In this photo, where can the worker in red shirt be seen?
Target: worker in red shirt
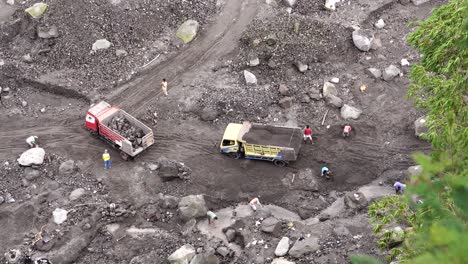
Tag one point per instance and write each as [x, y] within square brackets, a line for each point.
[346, 130]
[308, 134]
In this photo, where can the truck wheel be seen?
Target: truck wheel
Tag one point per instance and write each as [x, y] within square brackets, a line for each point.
[234, 155]
[124, 155]
[280, 163]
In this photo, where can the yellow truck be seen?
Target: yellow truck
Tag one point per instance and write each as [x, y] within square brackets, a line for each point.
[278, 144]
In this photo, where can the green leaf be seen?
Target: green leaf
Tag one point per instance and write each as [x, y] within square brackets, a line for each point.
[364, 259]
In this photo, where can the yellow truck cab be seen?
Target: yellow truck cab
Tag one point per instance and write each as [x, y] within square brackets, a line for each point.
[262, 142]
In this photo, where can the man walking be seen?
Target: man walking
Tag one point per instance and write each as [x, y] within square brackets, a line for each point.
[308, 134]
[164, 87]
[107, 161]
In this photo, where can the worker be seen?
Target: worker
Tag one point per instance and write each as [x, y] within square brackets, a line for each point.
[308, 134]
[399, 187]
[1, 90]
[107, 160]
[346, 130]
[164, 87]
[32, 141]
[325, 172]
[254, 202]
[211, 217]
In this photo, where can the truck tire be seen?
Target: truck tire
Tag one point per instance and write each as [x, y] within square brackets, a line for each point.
[280, 163]
[124, 156]
[234, 155]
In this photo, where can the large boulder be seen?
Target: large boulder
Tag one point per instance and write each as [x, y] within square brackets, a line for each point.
[271, 225]
[192, 206]
[168, 169]
[304, 246]
[282, 261]
[390, 73]
[397, 237]
[420, 127]
[250, 78]
[374, 72]
[290, 3]
[283, 247]
[208, 114]
[363, 39]
[355, 200]
[206, 258]
[419, 2]
[348, 111]
[183, 255]
[67, 167]
[188, 30]
[414, 170]
[329, 89]
[286, 102]
[334, 101]
[33, 156]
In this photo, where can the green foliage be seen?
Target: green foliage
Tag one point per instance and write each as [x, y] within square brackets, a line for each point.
[364, 259]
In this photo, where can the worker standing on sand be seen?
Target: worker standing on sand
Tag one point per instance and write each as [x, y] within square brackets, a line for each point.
[399, 187]
[253, 204]
[308, 134]
[107, 160]
[32, 141]
[211, 217]
[164, 87]
[346, 130]
[325, 172]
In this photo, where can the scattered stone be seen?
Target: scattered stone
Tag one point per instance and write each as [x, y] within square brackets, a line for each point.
[208, 114]
[188, 30]
[60, 215]
[189, 227]
[46, 33]
[271, 225]
[419, 2]
[263, 212]
[33, 156]
[420, 127]
[283, 89]
[36, 10]
[331, 4]
[43, 110]
[254, 62]
[379, 24]
[390, 73]
[373, 72]
[9, 198]
[282, 261]
[168, 201]
[348, 111]
[182, 255]
[397, 237]
[192, 206]
[301, 67]
[67, 167]
[24, 103]
[223, 251]
[230, 235]
[286, 102]
[282, 247]
[27, 58]
[290, 3]
[305, 98]
[101, 44]
[76, 194]
[404, 62]
[376, 44]
[363, 39]
[329, 89]
[304, 246]
[2, 199]
[335, 80]
[121, 53]
[249, 78]
[334, 101]
[10, 2]
[414, 170]
[31, 174]
[355, 200]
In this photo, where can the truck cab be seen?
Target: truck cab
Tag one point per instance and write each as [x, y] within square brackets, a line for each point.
[230, 144]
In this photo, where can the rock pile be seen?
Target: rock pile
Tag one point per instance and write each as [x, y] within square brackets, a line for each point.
[122, 125]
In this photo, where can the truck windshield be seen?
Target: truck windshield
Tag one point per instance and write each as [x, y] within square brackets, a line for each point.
[228, 142]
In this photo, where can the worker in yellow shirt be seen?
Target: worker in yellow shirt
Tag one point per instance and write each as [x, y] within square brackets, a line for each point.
[107, 160]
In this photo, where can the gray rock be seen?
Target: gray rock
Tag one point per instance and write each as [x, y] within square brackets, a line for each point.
[188, 30]
[263, 212]
[254, 62]
[168, 201]
[76, 194]
[348, 111]
[183, 255]
[306, 180]
[121, 53]
[404, 2]
[59, 215]
[330, 4]
[390, 73]
[31, 174]
[341, 230]
[315, 96]
[9, 198]
[379, 24]
[304, 247]
[206, 258]
[27, 58]
[283, 89]
[189, 227]
[168, 169]
[301, 67]
[376, 44]
[208, 114]
[223, 251]
[363, 39]
[24, 103]
[374, 72]
[46, 33]
[397, 237]
[283, 247]
[329, 89]
[290, 3]
[419, 2]
[305, 98]
[414, 170]
[101, 44]
[286, 102]
[420, 127]
[334, 101]
[148, 258]
[67, 167]
[271, 225]
[355, 200]
[230, 235]
[250, 78]
[33, 156]
[2, 199]
[192, 206]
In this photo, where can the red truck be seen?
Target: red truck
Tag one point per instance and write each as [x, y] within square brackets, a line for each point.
[119, 129]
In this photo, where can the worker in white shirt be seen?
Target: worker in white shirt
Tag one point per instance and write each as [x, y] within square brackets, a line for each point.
[32, 141]
[253, 204]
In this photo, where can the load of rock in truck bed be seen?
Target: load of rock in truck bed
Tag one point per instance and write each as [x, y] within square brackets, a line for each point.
[123, 127]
